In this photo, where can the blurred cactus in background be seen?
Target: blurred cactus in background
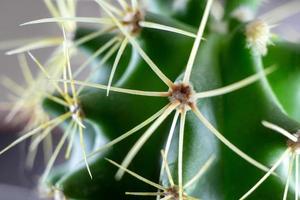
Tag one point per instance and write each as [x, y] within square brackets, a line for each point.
[176, 100]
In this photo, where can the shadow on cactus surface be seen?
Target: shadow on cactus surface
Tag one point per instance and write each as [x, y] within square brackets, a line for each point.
[188, 95]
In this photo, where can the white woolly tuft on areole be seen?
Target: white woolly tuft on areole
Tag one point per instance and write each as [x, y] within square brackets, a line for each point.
[258, 36]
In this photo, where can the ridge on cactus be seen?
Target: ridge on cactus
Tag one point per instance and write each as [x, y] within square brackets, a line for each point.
[202, 74]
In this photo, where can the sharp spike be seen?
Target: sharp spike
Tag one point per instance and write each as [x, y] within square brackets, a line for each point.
[129, 133]
[120, 90]
[237, 85]
[297, 177]
[25, 69]
[138, 145]
[197, 42]
[162, 27]
[137, 176]
[83, 150]
[42, 43]
[107, 56]
[228, 143]
[278, 162]
[91, 36]
[70, 145]
[286, 188]
[116, 63]
[53, 122]
[144, 193]
[165, 165]
[280, 130]
[105, 21]
[180, 154]
[97, 53]
[44, 71]
[133, 42]
[56, 152]
[200, 173]
[169, 140]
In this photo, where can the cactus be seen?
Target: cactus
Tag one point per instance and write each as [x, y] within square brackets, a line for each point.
[187, 97]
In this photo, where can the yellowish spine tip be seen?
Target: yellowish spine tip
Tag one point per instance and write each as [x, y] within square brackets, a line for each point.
[258, 35]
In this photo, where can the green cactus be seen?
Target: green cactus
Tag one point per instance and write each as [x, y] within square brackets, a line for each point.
[186, 95]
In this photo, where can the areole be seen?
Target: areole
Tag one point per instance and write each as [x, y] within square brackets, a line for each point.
[131, 21]
[295, 146]
[183, 93]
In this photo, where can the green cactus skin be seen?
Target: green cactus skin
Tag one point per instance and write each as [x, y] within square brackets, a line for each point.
[222, 59]
[215, 66]
[247, 131]
[101, 113]
[285, 80]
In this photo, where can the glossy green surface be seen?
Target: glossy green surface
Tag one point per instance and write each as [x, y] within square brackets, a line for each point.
[221, 60]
